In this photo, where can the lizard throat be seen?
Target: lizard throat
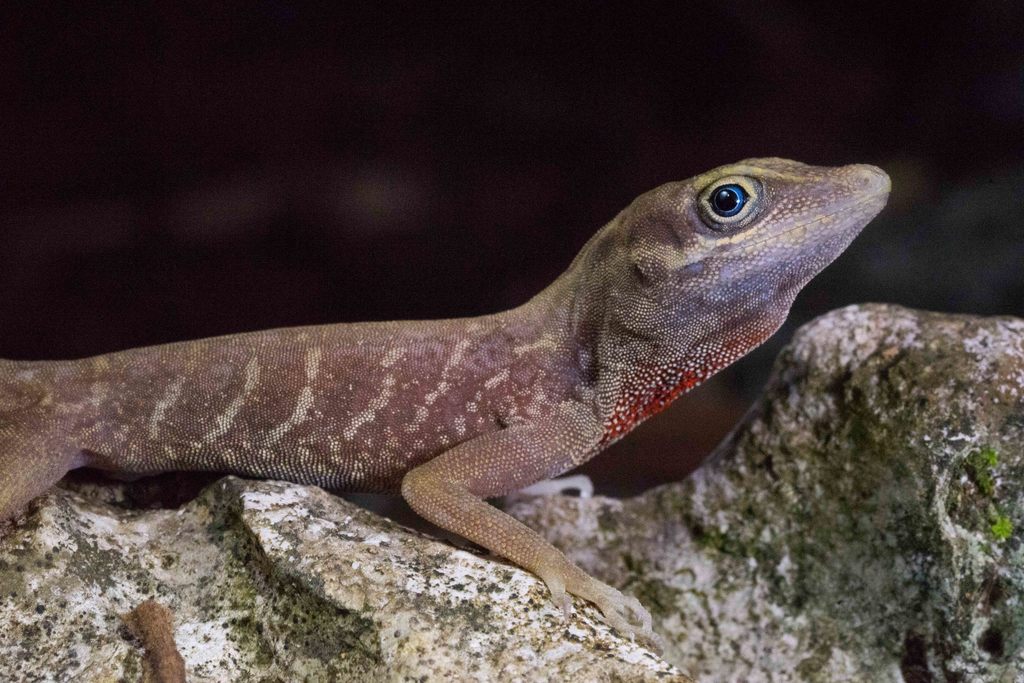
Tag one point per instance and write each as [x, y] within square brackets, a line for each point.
[651, 388]
[647, 393]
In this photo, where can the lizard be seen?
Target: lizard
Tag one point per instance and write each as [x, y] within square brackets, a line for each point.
[449, 413]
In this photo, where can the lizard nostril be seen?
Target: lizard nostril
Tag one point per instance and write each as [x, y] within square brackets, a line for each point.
[869, 179]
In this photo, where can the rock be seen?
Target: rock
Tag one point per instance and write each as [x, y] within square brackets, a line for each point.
[862, 523]
[274, 581]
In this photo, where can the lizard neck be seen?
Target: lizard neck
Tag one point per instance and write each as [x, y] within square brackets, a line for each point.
[625, 374]
[633, 360]
[628, 359]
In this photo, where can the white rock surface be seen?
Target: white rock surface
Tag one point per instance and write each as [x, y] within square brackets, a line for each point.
[274, 581]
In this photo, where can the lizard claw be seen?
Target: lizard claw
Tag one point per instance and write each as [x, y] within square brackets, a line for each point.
[625, 614]
[560, 597]
[622, 612]
[566, 606]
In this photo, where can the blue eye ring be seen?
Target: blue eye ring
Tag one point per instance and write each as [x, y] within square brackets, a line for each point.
[728, 200]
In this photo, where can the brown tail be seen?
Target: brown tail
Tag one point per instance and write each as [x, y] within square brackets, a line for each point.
[32, 455]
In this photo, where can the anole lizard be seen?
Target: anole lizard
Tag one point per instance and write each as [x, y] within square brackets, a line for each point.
[685, 280]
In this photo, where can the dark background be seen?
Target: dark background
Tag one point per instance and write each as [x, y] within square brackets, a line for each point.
[178, 171]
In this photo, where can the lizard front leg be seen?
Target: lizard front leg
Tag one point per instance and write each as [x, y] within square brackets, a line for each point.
[450, 490]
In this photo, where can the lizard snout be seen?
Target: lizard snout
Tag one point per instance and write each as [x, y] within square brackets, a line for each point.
[868, 179]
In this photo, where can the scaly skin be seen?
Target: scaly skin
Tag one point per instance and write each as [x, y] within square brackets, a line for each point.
[451, 412]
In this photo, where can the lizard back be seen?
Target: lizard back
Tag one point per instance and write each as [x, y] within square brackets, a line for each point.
[348, 407]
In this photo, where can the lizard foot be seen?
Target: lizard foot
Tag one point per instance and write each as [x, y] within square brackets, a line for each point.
[622, 612]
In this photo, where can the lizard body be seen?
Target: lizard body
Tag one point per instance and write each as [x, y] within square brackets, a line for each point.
[684, 281]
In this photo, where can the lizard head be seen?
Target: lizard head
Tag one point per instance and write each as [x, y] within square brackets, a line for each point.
[720, 257]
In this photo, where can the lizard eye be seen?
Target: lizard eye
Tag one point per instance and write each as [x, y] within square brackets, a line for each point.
[727, 200]
[730, 202]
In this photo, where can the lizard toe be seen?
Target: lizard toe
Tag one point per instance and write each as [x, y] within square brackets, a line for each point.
[622, 612]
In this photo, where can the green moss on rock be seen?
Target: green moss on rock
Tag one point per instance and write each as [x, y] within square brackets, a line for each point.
[1001, 527]
[980, 465]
